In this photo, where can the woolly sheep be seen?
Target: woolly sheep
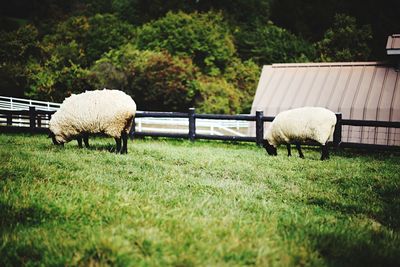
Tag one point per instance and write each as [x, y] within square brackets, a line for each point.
[101, 111]
[299, 125]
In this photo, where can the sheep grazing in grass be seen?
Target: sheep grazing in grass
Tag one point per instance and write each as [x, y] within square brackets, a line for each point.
[101, 111]
[300, 125]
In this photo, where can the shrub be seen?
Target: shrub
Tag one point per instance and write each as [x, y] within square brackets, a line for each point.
[159, 81]
[106, 75]
[52, 81]
[156, 80]
[115, 68]
[244, 77]
[216, 95]
[165, 83]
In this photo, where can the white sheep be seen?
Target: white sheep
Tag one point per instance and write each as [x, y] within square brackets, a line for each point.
[299, 125]
[101, 111]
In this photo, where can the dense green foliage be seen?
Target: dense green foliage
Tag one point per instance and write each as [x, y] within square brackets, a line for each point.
[177, 203]
[176, 82]
[51, 49]
[156, 80]
[65, 55]
[203, 37]
[218, 96]
[312, 18]
[17, 48]
[272, 44]
[345, 41]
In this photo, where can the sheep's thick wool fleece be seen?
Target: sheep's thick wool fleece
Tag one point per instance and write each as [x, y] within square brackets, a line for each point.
[301, 124]
[100, 111]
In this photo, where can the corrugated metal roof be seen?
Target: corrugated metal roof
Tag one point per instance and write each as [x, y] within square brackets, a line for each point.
[359, 90]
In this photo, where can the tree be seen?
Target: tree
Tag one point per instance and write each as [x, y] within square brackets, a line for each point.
[53, 80]
[17, 48]
[268, 43]
[345, 41]
[203, 37]
[67, 54]
[139, 12]
[88, 38]
[105, 32]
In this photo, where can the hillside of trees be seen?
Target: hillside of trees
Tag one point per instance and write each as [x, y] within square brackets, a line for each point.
[171, 55]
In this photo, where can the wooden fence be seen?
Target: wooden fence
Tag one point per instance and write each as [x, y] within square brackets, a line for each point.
[33, 121]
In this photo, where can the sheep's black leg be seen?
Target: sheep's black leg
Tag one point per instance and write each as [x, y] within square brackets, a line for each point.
[324, 152]
[301, 155]
[289, 151]
[53, 138]
[118, 141]
[79, 139]
[86, 140]
[124, 137]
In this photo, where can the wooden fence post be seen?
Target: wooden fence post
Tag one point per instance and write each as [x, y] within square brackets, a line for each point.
[9, 119]
[337, 134]
[39, 121]
[259, 127]
[192, 124]
[133, 128]
[32, 118]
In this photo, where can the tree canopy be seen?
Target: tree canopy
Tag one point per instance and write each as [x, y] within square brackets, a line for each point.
[174, 54]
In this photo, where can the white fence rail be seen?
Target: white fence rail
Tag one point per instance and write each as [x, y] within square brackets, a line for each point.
[169, 125]
[13, 103]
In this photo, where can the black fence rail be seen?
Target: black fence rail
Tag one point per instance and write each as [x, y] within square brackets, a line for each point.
[192, 117]
[33, 121]
[29, 121]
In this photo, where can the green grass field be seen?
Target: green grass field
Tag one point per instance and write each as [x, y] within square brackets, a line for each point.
[176, 203]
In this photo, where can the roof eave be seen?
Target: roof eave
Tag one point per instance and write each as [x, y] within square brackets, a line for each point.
[393, 52]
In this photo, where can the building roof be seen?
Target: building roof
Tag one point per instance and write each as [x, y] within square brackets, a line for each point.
[359, 90]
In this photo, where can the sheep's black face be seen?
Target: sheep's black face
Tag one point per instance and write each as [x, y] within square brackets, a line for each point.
[53, 138]
[271, 150]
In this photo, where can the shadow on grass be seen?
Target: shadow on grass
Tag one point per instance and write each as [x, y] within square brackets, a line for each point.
[27, 216]
[14, 254]
[388, 216]
[93, 147]
[378, 154]
[388, 199]
[103, 254]
[101, 147]
[367, 249]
